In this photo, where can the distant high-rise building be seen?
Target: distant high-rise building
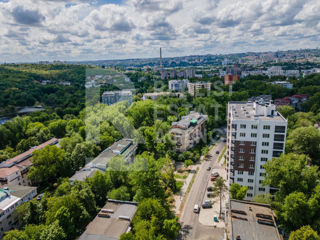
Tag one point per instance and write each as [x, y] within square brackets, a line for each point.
[194, 88]
[232, 75]
[161, 66]
[256, 134]
[190, 72]
[178, 85]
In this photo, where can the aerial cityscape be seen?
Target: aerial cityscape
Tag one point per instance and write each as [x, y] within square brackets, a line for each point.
[159, 120]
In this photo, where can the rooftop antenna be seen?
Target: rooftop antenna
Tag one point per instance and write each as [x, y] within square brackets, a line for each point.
[161, 67]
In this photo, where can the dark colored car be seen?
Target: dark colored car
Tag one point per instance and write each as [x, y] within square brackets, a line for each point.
[209, 189]
[224, 140]
[217, 152]
[209, 168]
[207, 205]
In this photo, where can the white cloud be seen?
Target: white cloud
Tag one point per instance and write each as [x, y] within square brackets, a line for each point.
[32, 30]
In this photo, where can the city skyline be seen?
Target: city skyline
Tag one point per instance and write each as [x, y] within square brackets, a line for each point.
[79, 30]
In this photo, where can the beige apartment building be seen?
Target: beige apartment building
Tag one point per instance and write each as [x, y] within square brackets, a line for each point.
[194, 88]
[189, 131]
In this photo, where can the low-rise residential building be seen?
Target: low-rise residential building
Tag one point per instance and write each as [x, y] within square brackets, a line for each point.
[256, 134]
[194, 88]
[231, 79]
[124, 147]
[275, 71]
[248, 220]
[112, 221]
[284, 84]
[294, 101]
[156, 95]
[11, 196]
[112, 97]
[178, 85]
[189, 131]
[14, 171]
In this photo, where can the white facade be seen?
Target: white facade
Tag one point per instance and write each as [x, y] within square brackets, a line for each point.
[284, 84]
[178, 85]
[256, 134]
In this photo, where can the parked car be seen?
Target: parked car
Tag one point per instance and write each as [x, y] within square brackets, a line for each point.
[224, 140]
[209, 189]
[215, 174]
[39, 196]
[213, 179]
[209, 168]
[207, 204]
[217, 152]
[215, 219]
[196, 208]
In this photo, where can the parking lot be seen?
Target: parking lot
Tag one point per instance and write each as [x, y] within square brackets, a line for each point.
[206, 215]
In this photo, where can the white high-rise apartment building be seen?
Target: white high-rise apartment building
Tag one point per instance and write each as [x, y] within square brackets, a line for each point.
[178, 85]
[256, 134]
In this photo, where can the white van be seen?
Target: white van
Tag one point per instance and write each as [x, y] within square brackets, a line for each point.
[196, 208]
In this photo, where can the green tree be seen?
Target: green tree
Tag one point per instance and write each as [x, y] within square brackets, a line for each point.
[304, 233]
[295, 211]
[263, 198]
[187, 163]
[53, 232]
[238, 192]
[73, 126]
[100, 184]
[120, 193]
[16, 235]
[220, 188]
[305, 140]
[291, 173]
[58, 128]
[47, 165]
[171, 228]
[65, 222]
[286, 111]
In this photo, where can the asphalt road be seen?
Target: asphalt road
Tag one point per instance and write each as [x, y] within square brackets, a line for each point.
[190, 226]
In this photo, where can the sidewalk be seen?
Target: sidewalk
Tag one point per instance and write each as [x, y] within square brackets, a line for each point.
[178, 198]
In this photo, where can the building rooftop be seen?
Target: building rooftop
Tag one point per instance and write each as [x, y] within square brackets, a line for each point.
[258, 110]
[121, 92]
[189, 121]
[23, 160]
[252, 221]
[113, 220]
[122, 147]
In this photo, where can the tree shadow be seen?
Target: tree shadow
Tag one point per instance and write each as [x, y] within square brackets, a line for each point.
[184, 232]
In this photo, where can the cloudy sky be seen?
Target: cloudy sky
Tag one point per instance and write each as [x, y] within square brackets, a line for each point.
[33, 30]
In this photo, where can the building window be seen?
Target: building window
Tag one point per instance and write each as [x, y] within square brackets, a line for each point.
[264, 151]
[263, 159]
[261, 167]
[241, 143]
[249, 195]
[252, 158]
[250, 180]
[265, 135]
[276, 154]
[252, 150]
[240, 165]
[262, 189]
[250, 188]
[254, 135]
[253, 143]
[278, 146]
[242, 134]
[251, 165]
[240, 179]
[241, 150]
[266, 127]
[265, 144]
[254, 126]
[243, 126]
[279, 137]
[241, 158]
[240, 172]
[234, 126]
[260, 181]
[262, 174]
[280, 129]
[251, 173]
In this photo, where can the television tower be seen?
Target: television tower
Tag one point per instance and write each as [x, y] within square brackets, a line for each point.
[161, 67]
